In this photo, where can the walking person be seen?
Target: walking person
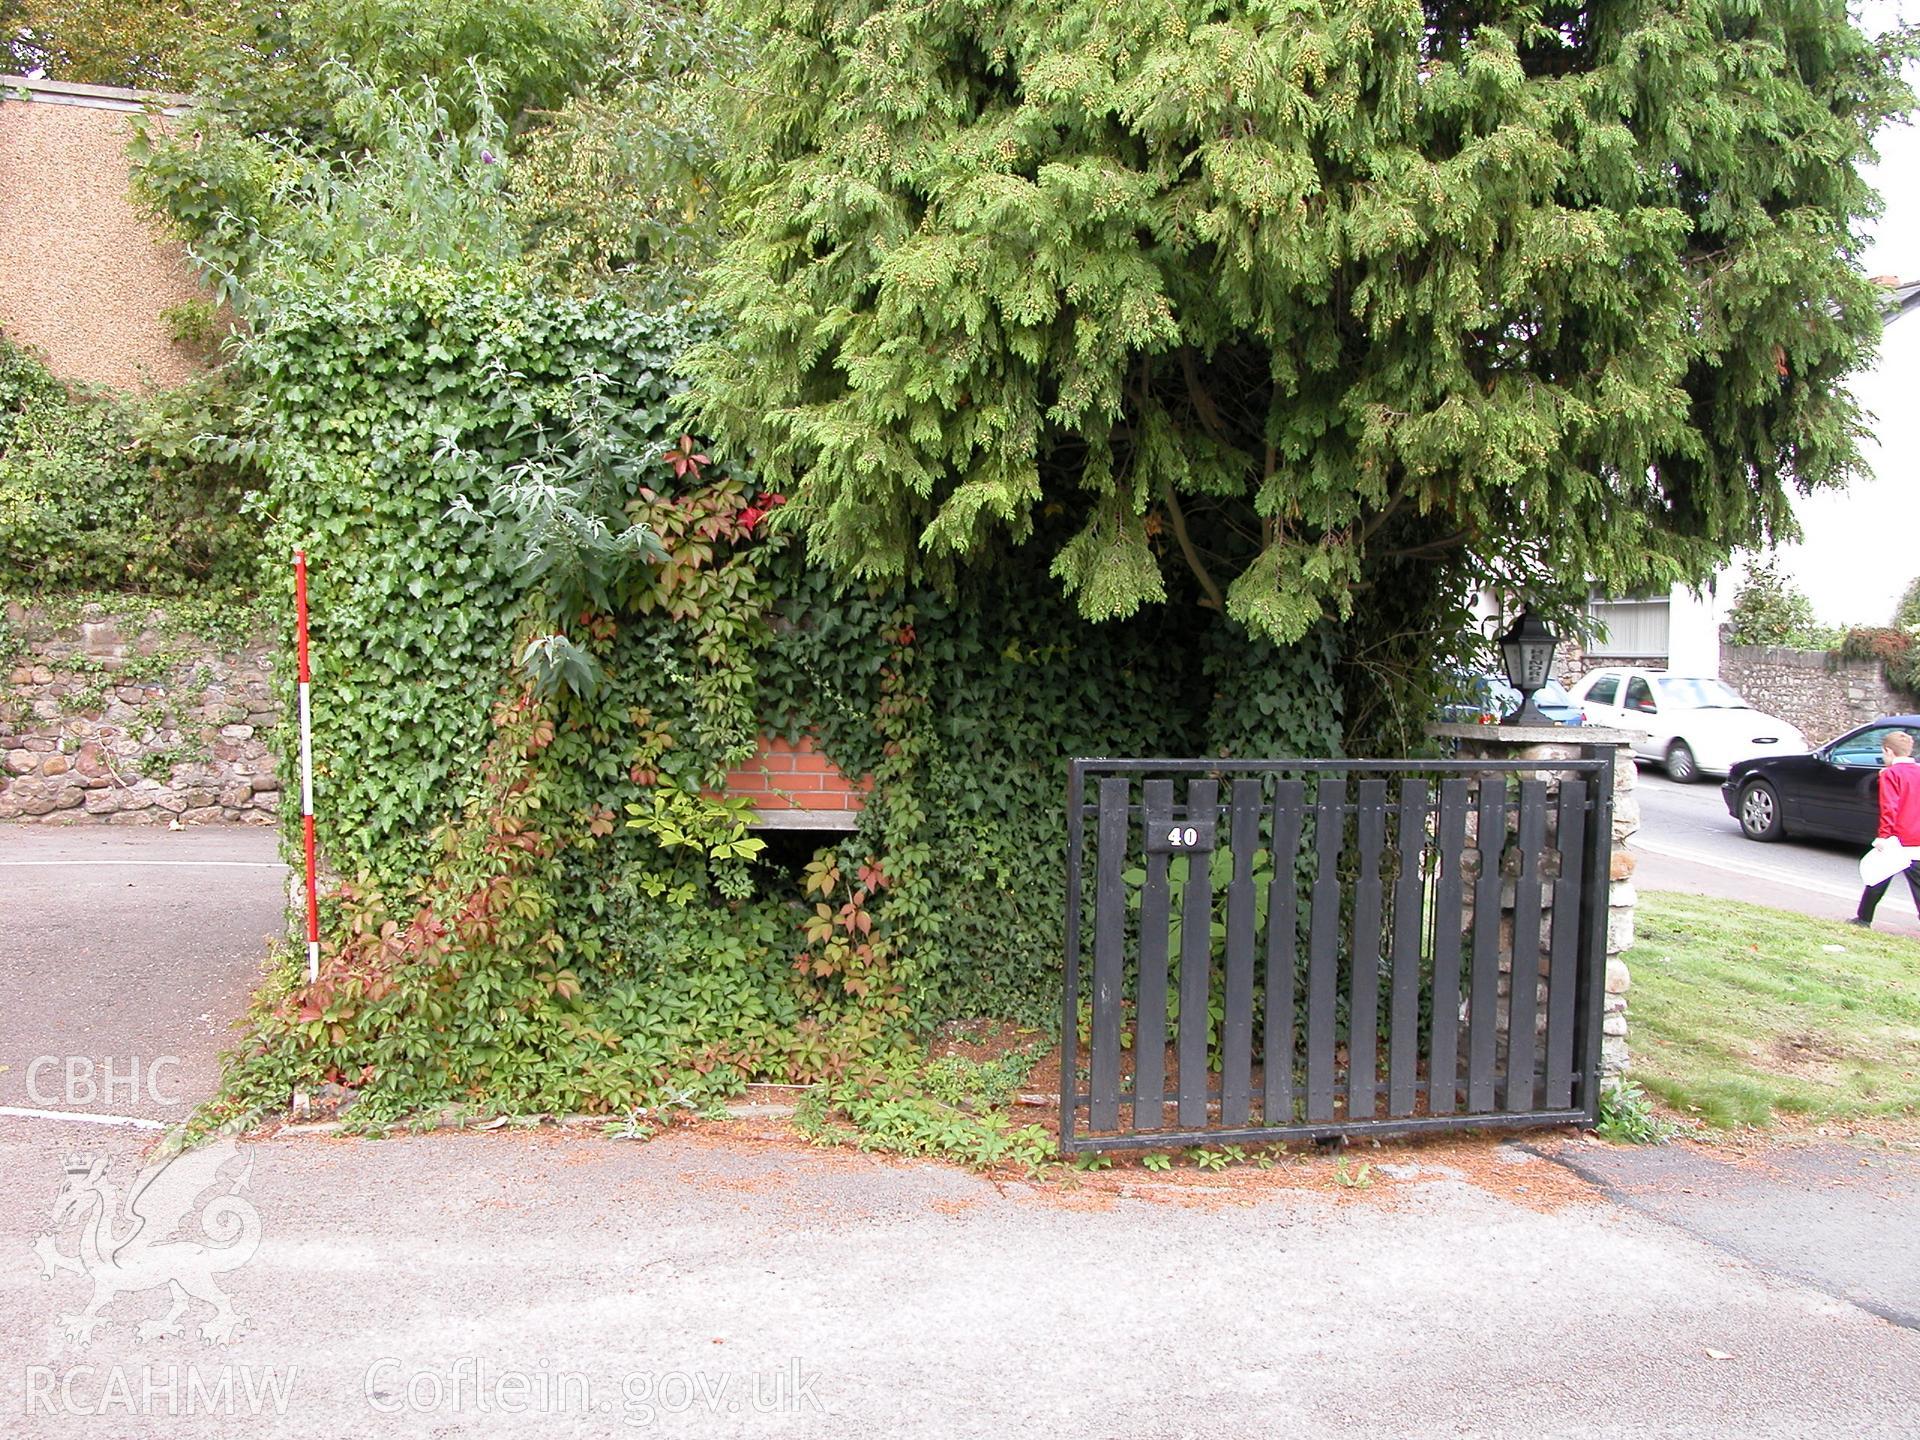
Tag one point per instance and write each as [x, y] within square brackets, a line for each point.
[1899, 818]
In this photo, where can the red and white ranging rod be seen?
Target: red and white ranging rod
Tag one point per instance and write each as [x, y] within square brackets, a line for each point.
[306, 764]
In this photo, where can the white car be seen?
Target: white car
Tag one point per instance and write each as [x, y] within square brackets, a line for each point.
[1691, 725]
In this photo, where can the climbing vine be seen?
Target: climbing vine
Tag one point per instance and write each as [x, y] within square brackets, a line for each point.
[546, 625]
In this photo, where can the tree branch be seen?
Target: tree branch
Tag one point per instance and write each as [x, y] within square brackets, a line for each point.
[1203, 405]
[1178, 517]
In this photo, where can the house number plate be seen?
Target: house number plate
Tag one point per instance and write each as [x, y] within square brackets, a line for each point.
[1178, 837]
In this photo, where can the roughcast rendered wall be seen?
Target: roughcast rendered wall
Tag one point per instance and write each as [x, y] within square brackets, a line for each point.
[83, 274]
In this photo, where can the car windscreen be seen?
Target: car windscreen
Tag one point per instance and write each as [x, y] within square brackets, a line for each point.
[1684, 694]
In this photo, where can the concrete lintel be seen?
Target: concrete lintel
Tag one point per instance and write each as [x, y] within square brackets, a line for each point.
[806, 820]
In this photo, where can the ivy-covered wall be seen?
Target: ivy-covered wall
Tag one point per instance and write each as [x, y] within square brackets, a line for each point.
[545, 626]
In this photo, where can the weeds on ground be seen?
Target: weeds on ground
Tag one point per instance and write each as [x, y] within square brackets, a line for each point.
[1627, 1117]
[949, 1108]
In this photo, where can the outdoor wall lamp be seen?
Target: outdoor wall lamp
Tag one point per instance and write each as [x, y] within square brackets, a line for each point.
[1526, 650]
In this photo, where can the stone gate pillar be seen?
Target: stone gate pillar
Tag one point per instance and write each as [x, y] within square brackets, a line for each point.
[1548, 743]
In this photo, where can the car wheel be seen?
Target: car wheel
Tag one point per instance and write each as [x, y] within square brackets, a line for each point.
[1760, 812]
[1680, 763]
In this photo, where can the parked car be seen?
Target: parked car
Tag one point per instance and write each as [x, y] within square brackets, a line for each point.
[1489, 699]
[1832, 793]
[1694, 726]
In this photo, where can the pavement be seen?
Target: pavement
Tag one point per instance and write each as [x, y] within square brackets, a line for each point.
[1689, 843]
[734, 1282]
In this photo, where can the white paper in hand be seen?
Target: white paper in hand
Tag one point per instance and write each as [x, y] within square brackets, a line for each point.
[1882, 862]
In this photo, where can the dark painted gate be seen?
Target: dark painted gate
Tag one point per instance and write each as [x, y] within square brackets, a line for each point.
[1283, 949]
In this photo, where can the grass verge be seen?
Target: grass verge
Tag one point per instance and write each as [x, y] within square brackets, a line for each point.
[1742, 1014]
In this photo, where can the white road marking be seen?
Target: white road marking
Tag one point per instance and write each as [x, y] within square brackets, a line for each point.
[187, 864]
[134, 1121]
[1757, 872]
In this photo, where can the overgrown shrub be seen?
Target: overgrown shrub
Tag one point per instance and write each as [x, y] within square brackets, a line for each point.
[1769, 609]
[1906, 615]
[102, 493]
[545, 626]
[1893, 648]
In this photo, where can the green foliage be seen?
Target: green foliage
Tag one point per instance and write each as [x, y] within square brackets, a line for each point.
[1347, 1179]
[268, 213]
[617, 186]
[96, 494]
[951, 1108]
[149, 44]
[1284, 308]
[1894, 648]
[1627, 1117]
[1906, 615]
[343, 132]
[1769, 609]
[389, 405]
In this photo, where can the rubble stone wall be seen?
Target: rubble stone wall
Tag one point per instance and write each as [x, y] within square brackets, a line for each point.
[119, 717]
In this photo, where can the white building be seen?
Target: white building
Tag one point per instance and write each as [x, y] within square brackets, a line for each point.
[1859, 548]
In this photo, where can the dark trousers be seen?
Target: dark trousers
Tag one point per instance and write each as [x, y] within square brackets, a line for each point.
[1870, 897]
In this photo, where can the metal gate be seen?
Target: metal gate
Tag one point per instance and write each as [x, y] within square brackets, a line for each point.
[1360, 975]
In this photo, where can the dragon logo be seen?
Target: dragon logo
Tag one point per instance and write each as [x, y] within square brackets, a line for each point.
[131, 1249]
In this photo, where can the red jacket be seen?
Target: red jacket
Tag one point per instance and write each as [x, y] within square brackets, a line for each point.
[1900, 801]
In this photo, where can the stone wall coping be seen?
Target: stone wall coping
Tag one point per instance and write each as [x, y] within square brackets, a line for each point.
[1533, 734]
[94, 97]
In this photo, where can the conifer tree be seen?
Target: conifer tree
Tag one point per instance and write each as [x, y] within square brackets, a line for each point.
[1284, 303]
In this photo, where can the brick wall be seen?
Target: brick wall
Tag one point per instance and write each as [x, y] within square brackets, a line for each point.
[791, 783]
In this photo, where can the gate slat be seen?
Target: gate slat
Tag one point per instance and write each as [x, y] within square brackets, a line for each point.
[1563, 972]
[1236, 1024]
[1323, 939]
[1150, 1027]
[1109, 953]
[1524, 983]
[1363, 993]
[1196, 963]
[1483, 996]
[1283, 943]
[1403, 1003]
[1443, 1057]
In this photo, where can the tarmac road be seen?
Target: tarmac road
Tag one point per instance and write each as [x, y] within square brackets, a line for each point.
[1687, 842]
[743, 1284]
[125, 957]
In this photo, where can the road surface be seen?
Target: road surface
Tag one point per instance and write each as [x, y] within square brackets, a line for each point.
[1689, 843]
[736, 1283]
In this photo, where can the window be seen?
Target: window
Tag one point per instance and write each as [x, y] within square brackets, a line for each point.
[1864, 748]
[1602, 691]
[1636, 625]
[1640, 695]
[1685, 694]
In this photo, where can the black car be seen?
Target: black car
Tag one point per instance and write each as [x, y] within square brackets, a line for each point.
[1832, 793]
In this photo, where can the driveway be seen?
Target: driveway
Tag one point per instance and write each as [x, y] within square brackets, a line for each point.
[733, 1281]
